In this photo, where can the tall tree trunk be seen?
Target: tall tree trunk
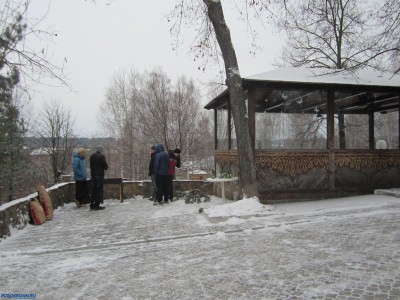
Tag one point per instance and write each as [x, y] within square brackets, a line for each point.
[247, 169]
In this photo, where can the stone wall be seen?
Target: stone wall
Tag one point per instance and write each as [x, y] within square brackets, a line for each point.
[15, 214]
[179, 186]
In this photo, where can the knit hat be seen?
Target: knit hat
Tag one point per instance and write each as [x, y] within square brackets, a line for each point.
[177, 150]
[81, 150]
[99, 149]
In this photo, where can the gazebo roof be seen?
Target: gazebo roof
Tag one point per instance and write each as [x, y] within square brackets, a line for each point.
[355, 91]
[327, 76]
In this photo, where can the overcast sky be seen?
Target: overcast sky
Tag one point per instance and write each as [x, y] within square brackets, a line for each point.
[98, 40]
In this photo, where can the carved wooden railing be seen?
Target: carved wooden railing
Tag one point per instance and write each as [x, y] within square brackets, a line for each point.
[296, 162]
[367, 161]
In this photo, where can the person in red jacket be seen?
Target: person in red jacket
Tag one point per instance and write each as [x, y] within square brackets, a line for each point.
[174, 162]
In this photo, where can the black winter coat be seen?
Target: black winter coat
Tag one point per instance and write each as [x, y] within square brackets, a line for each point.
[151, 164]
[98, 164]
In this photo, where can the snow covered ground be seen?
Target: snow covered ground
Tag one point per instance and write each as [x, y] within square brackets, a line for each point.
[346, 248]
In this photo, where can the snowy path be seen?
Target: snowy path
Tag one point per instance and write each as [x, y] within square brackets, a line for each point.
[134, 250]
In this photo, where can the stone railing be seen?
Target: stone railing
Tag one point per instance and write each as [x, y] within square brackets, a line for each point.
[14, 215]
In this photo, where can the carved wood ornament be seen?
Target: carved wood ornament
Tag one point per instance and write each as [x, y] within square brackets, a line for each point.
[295, 163]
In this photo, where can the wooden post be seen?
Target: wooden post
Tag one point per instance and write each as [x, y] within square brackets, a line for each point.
[229, 120]
[371, 130]
[331, 138]
[342, 131]
[121, 192]
[215, 129]
[251, 114]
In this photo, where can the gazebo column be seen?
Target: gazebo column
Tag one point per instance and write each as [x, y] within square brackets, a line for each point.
[398, 111]
[371, 130]
[215, 129]
[251, 114]
[229, 125]
[342, 131]
[331, 138]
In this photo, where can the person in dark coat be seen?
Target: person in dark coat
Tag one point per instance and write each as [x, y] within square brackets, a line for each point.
[80, 176]
[152, 176]
[177, 154]
[174, 162]
[160, 170]
[98, 165]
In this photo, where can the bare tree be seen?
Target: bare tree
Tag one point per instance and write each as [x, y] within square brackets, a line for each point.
[155, 107]
[55, 131]
[144, 109]
[171, 114]
[389, 17]
[136, 112]
[201, 149]
[333, 34]
[186, 114]
[340, 34]
[213, 29]
[118, 116]
[32, 63]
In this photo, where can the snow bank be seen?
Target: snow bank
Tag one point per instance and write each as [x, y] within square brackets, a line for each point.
[245, 208]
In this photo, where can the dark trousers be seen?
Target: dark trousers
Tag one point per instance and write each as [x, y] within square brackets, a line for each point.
[154, 183]
[81, 189]
[162, 188]
[97, 190]
[170, 187]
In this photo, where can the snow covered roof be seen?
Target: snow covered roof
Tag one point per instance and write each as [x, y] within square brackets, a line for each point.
[40, 151]
[323, 76]
[305, 90]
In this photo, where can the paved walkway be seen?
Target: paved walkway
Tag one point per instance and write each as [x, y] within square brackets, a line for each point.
[134, 250]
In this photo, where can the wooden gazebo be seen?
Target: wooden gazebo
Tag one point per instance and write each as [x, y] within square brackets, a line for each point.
[330, 141]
